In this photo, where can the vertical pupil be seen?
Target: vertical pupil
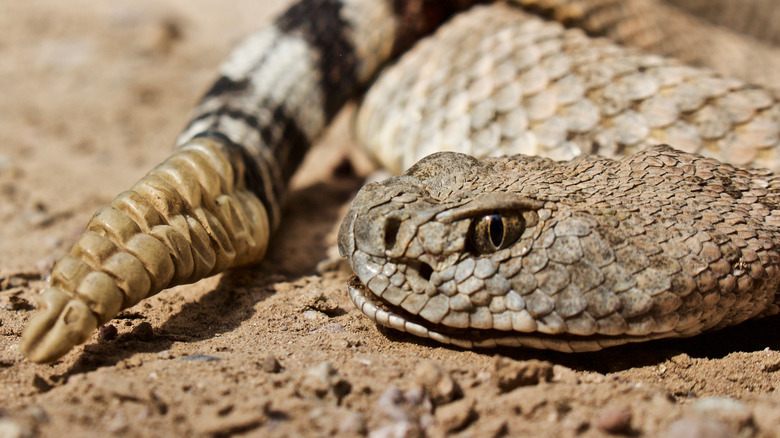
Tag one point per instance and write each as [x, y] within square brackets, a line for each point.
[496, 227]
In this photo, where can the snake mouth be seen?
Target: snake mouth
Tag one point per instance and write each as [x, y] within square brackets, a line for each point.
[395, 317]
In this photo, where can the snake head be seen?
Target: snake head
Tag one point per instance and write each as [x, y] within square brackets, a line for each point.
[59, 324]
[571, 256]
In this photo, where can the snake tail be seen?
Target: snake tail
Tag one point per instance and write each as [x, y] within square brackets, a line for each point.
[188, 218]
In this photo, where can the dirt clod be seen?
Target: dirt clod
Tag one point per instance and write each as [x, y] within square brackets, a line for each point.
[144, 332]
[698, 428]
[456, 415]
[107, 332]
[511, 374]
[270, 364]
[437, 382]
[324, 381]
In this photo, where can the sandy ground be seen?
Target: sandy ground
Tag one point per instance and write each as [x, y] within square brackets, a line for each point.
[92, 95]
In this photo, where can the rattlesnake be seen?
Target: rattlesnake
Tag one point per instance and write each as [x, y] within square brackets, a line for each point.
[214, 203]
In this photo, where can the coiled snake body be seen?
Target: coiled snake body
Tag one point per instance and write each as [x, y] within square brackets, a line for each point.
[507, 251]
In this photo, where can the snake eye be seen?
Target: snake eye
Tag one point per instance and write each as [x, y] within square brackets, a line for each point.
[495, 231]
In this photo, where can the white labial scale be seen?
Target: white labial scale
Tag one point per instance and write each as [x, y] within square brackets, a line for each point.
[365, 268]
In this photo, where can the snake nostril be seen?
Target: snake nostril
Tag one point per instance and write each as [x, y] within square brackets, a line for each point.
[391, 232]
[425, 271]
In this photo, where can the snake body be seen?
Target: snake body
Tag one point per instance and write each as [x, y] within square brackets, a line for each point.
[215, 201]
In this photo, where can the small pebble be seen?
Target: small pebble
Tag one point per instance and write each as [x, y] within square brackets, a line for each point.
[333, 327]
[269, 364]
[107, 333]
[697, 428]
[10, 429]
[39, 414]
[313, 315]
[438, 383]
[394, 430]
[41, 384]
[389, 406]
[394, 416]
[324, 381]
[614, 420]
[456, 415]
[160, 37]
[352, 424]
[734, 414]
[144, 332]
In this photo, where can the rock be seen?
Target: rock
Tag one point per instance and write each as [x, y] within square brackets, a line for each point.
[107, 332]
[397, 430]
[732, 413]
[323, 381]
[269, 364]
[144, 332]
[614, 420]
[41, 384]
[694, 427]
[352, 424]
[510, 374]
[389, 406]
[397, 416]
[456, 415]
[10, 429]
[437, 382]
